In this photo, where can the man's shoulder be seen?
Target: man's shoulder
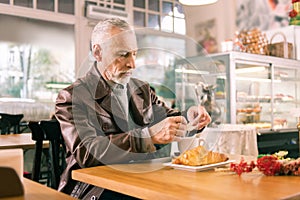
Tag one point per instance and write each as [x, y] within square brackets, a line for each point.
[77, 87]
[139, 82]
[76, 84]
[85, 81]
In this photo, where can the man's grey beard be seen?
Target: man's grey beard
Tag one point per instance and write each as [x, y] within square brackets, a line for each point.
[122, 81]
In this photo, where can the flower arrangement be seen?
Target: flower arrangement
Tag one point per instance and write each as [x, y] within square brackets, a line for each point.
[270, 165]
[294, 14]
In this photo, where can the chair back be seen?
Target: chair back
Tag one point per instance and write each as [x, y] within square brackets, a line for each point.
[52, 133]
[38, 136]
[10, 123]
[48, 130]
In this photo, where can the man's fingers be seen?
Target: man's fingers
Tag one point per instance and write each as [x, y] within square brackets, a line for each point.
[179, 119]
[180, 133]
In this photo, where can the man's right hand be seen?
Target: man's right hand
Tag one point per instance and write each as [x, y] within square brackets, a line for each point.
[165, 131]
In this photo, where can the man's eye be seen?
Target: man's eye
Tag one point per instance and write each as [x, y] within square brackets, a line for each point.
[124, 54]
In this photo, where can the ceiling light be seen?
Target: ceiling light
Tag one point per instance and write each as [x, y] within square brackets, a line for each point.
[197, 2]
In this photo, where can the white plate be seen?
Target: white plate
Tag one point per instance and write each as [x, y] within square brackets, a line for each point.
[198, 168]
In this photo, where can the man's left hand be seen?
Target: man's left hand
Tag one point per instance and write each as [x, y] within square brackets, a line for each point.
[198, 117]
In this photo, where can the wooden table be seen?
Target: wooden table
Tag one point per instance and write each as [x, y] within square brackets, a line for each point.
[153, 181]
[22, 140]
[37, 191]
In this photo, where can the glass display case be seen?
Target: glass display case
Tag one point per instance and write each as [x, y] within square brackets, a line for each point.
[263, 91]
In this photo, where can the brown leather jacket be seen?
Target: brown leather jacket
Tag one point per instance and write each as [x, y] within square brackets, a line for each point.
[95, 129]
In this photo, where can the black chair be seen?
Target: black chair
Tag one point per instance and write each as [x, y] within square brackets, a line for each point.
[52, 131]
[38, 136]
[4, 125]
[48, 130]
[10, 123]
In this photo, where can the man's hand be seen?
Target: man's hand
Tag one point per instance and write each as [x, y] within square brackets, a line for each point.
[197, 117]
[165, 131]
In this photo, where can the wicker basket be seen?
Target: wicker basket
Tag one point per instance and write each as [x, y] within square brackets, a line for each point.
[280, 49]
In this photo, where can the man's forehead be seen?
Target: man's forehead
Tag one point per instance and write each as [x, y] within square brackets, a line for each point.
[122, 40]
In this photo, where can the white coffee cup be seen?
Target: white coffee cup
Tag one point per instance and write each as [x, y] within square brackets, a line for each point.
[187, 143]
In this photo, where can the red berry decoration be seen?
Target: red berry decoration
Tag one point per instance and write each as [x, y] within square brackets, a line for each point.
[269, 165]
[242, 167]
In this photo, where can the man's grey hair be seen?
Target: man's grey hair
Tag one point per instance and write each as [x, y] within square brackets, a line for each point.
[102, 29]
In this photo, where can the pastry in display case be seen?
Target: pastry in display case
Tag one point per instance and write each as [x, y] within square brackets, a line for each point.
[248, 113]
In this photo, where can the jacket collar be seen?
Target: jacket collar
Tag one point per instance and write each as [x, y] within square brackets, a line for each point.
[96, 83]
[100, 89]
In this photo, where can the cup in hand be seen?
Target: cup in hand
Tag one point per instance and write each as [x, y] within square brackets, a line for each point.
[187, 143]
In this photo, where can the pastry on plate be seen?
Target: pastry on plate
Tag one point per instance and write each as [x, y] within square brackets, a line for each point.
[199, 156]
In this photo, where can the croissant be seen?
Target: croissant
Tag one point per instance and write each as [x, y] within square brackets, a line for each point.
[199, 156]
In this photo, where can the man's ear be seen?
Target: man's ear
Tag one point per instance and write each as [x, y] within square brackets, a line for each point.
[97, 52]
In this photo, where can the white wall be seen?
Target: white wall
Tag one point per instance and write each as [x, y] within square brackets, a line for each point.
[223, 12]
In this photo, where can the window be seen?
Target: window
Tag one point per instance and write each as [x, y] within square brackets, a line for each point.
[139, 18]
[66, 6]
[45, 5]
[4, 1]
[139, 4]
[153, 21]
[35, 65]
[153, 5]
[24, 3]
[164, 15]
[113, 4]
[61, 6]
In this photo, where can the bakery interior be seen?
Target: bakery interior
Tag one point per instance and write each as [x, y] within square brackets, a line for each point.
[241, 57]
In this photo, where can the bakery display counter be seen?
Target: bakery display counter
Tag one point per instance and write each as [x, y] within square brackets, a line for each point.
[249, 88]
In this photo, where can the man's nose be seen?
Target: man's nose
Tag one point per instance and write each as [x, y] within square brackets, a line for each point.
[130, 61]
